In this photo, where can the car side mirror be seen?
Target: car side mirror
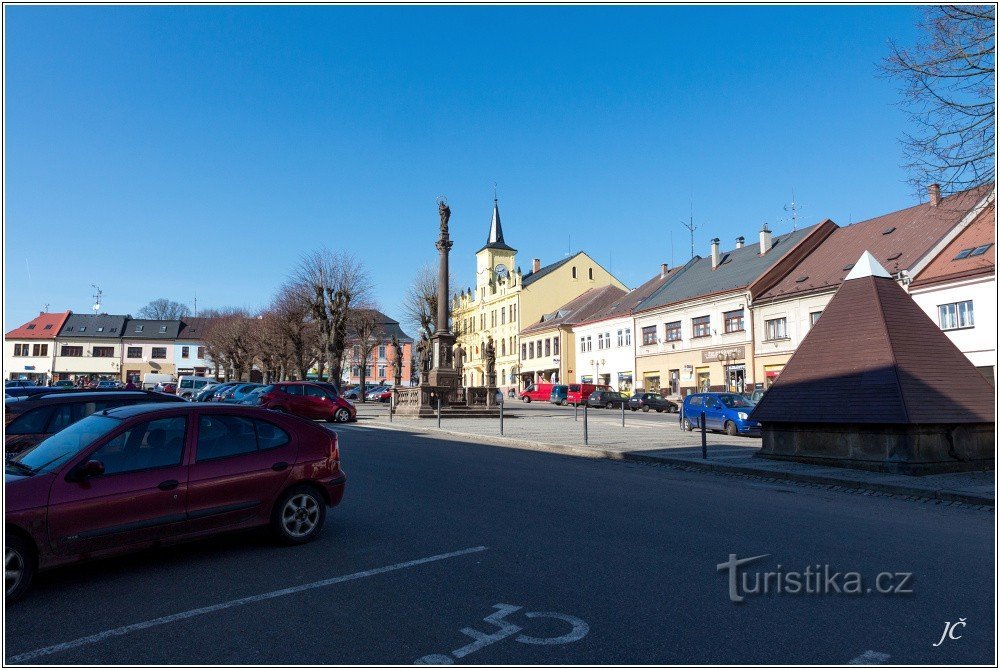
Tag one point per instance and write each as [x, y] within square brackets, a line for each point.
[88, 470]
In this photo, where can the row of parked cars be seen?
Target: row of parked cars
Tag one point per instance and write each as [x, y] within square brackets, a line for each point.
[596, 395]
[90, 473]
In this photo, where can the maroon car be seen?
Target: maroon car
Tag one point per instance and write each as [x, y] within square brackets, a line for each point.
[132, 477]
[310, 401]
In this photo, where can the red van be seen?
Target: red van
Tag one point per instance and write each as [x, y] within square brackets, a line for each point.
[539, 392]
[578, 393]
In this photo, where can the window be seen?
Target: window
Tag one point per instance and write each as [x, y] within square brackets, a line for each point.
[503, 315]
[224, 435]
[621, 338]
[82, 328]
[590, 274]
[548, 347]
[776, 329]
[30, 423]
[138, 329]
[103, 352]
[628, 337]
[956, 315]
[158, 352]
[701, 326]
[69, 329]
[20, 349]
[133, 352]
[590, 343]
[524, 351]
[673, 331]
[814, 317]
[201, 352]
[555, 346]
[531, 349]
[980, 250]
[48, 326]
[185, 352]
[31, 326]
[295, 389]
[381, 351]
[100, 329]
[269, 436]
[163, 329]
[733, 320]
[648, 335]
[153, 444]
[40, 350]
[381, 372]
[574, 272]
[71, 351]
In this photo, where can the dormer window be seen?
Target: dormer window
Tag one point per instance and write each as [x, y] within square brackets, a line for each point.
[69, 329]
[100, 329]
[138, 329]
[163, 329]
[48, 326]
[31, 326]
[83, 328]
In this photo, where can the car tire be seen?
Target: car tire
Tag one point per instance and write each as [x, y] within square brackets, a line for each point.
[341, 415]
[298, 515]
[610, 405]
[659, 411]
[687, 425]
[645, 408]
[19, 566]
[527, 400]
[633, 409]
[731, 429]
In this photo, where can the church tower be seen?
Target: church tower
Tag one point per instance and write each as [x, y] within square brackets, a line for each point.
[495, 261]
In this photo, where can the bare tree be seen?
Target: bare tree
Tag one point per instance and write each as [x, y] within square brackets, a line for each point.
[420, 300]
[232, 342]
[294, 328]
[333, 282]
[161, 308]
[949, 89]
[365, 332]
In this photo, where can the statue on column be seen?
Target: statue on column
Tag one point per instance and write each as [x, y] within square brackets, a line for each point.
[397, 362]
[445, 213]
[490, 358]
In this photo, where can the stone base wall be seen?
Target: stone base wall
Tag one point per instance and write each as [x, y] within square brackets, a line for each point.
[422, 400]
[901, 449]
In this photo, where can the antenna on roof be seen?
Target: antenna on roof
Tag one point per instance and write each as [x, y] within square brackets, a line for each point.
[45, 307]
[196, 303]
[97, 298]
[794, 208]
[691, 227]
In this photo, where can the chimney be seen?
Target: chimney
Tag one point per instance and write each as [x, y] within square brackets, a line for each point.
[934, 191]
[765, 239]
[739, 242]
[536, 264]
[715, 252]
[663, 270]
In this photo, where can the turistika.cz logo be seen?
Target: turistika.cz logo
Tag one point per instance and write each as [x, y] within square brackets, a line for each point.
[817, 579]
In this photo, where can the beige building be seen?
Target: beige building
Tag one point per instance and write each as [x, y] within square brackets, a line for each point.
[504, 299]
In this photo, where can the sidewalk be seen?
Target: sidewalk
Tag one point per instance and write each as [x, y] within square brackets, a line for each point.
[661, 441]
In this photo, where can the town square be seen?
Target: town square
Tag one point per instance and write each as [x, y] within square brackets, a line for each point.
[500, 335]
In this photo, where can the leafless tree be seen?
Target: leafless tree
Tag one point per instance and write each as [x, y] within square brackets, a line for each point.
[294, 328]
[161, 308]
[333, 281]
[232, 342]
[949, 90]
[420, 300]
[365, 332]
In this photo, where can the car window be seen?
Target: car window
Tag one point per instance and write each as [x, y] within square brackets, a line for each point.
[574, 387]
[63, 416]
[270, 436]
[292, 390]
[695, 401]
[151, 444]
[223, 435]
[314, 392]
[733, 401]
[30, 423]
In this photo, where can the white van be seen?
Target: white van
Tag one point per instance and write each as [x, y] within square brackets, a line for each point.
[151, 379]
[188, 386]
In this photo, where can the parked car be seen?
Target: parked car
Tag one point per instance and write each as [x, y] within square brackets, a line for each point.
[727, 412]
[107, 384]
[221, 390]
[307, 400]
[151, 379]
[355, 392]
[755, 396]
[109, 484]
[648, 401]
[540, 392]
[32, 420]
[253, 397]
[577, 394]
[237, 392]
[376, 392]
[607, 399]
[559, 394]
[188, 386]
[63, 384]
[27, 391]
[384, 396]
[18, 383]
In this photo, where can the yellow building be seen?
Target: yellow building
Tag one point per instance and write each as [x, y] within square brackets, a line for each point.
[504, 299]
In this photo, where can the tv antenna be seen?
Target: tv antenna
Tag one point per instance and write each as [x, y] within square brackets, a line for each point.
[794, 208]
[97, 298]
[691, 228]
[45, 307]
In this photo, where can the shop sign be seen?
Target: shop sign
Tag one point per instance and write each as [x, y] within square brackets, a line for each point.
[723, 354]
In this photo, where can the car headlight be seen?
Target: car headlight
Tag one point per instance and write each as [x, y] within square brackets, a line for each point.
[742, 415]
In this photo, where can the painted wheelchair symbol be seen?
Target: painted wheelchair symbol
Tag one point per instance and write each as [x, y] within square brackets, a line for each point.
[579, 629]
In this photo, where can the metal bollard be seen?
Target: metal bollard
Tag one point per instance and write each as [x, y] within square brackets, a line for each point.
[392, 402]
[586, 437]
[704, 439]
[501, 416]
[623, 414]
[576, 411]
[439, 412]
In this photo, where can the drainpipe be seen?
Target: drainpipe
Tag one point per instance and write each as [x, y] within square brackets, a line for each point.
[753, 345]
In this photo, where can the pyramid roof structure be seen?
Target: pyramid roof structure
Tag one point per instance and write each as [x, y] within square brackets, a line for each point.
[875, 357]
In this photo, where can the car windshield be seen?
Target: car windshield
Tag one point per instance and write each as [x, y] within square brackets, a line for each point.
[733, 400]
[653, 396]
[51, 453]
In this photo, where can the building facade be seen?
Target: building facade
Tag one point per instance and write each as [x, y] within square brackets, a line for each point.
[88, 347]
[148, 347]
[380, 361]
[190, 353]
[29, 351]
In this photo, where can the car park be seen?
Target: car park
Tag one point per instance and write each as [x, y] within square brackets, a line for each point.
[188, 386]
[129, 478]
[218, 391]
[726, 412]
[307, 400]
[607, 399]
[538, 392]
[577, 394]
[237, 392]
[32, 420]
[647, 401]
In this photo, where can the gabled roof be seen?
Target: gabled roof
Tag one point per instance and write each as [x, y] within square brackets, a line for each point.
[194, 327]
[93, 326]
[965, 256]
[875, 357]
[495, 238]
[897, 240]
[625, 305]
[389, 327]
[152, 329]
[532, 277]
[578, 309]
[45, 326]
[737, 269]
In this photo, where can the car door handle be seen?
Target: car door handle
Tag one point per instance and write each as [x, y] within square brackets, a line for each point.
[278, 467]
[168, 485]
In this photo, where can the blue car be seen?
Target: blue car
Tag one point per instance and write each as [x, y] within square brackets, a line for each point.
[727, 412]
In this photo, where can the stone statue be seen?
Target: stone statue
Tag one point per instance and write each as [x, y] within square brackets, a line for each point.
[459, 359]
[490, 357]
[397, 363]
[445, 213]
[425, 353]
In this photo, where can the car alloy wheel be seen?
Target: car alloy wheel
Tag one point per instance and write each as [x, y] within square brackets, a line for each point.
[645, 408]
[731, 429]
[19, 568]
[610, 405]
[342, 415]
[687, 426]
[299, 515]
[526, 399]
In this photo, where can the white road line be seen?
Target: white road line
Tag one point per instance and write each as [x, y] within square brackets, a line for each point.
[869, 658]
[125, 630]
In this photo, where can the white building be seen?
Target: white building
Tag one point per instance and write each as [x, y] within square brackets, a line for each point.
[29, 351]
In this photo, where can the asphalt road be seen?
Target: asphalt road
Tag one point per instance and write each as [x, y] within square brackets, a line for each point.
[608, 562]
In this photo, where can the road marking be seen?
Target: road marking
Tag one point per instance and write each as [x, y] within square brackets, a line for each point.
[132, 628]
[869, 658]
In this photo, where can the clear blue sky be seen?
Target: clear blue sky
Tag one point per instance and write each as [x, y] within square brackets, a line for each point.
[146, 146]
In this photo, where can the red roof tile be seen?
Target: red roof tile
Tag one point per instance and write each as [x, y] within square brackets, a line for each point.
[42, 327]
[897, 240]
[948, 266]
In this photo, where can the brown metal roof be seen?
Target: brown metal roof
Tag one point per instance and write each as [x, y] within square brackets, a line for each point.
[948, 266]
[875, 357]
[897, 240]
[579, 308]
[628, 302]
